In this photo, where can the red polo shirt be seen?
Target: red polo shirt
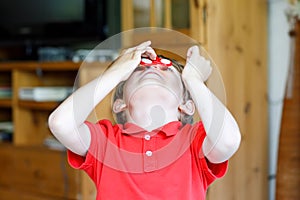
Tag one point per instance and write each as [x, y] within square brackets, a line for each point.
[127, 162]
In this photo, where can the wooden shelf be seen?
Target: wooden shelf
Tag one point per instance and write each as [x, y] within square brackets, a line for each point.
[34, 105]
[5, 103]
[33, 65]
[23, 154]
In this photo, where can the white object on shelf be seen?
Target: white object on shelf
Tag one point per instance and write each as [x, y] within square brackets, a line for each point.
[5, 92]
[6, 126]
[45, 93]
[100, 55]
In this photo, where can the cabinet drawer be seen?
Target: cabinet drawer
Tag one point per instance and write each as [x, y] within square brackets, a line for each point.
[37, 171]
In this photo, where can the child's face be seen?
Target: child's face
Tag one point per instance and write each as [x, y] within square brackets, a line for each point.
[157, 81]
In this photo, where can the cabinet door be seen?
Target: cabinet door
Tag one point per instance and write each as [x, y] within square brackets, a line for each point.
[187, 17]
[36, 173]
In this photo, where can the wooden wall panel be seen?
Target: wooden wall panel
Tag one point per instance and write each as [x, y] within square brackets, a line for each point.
[236, 40]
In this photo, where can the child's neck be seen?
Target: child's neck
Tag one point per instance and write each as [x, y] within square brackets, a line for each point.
[151, 117]
[152, 107]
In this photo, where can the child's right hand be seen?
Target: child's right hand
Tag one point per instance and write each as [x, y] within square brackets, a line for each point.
[130, 58]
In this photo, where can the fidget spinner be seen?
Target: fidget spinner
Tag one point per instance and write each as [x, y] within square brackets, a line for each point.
[163, 63]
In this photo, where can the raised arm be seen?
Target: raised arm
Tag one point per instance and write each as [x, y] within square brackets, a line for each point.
[223, 135]
[66, 122]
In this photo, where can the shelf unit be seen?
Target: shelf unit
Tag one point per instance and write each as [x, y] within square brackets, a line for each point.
[35, 130]
[5, 102]
[29, 169]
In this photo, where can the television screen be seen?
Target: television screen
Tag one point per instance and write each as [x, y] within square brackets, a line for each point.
[52, 19]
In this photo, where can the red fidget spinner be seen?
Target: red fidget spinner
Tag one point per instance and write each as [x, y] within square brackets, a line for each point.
[163, 62]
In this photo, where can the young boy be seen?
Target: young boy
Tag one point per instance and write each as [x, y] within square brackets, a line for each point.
[154, 152]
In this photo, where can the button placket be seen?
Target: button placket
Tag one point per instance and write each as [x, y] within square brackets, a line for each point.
[148, 149]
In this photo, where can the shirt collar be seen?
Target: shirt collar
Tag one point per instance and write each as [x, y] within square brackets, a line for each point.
[169, 129]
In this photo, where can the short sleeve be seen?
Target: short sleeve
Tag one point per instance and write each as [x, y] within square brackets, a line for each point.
[211, 171]
[89, 162]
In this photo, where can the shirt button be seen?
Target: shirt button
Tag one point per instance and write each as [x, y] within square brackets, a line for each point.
[148, 153]
[147, 137]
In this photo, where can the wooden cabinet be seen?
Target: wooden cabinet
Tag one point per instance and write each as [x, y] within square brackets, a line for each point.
[29, 169]
[30, 117]
[188, 17]
[36, 173]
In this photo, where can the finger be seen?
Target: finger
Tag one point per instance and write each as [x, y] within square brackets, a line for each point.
[138, 47]
[142, 49]
[195, 50]
[149, 52]
[144, 44]
[137, 55]
[129, 50]
[189, 52]
[192, 50]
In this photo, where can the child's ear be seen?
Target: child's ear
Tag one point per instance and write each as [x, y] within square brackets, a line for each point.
[188, 107]
[119, 106]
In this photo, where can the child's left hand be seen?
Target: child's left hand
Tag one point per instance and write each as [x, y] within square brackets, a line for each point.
[196, 66]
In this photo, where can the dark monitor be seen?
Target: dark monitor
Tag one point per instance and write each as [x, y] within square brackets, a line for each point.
[52, 21]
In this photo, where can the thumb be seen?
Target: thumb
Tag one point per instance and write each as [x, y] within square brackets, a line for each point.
[192, 50]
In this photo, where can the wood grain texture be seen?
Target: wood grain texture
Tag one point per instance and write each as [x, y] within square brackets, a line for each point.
[236, 40]
[36, 173]
[288, 168]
